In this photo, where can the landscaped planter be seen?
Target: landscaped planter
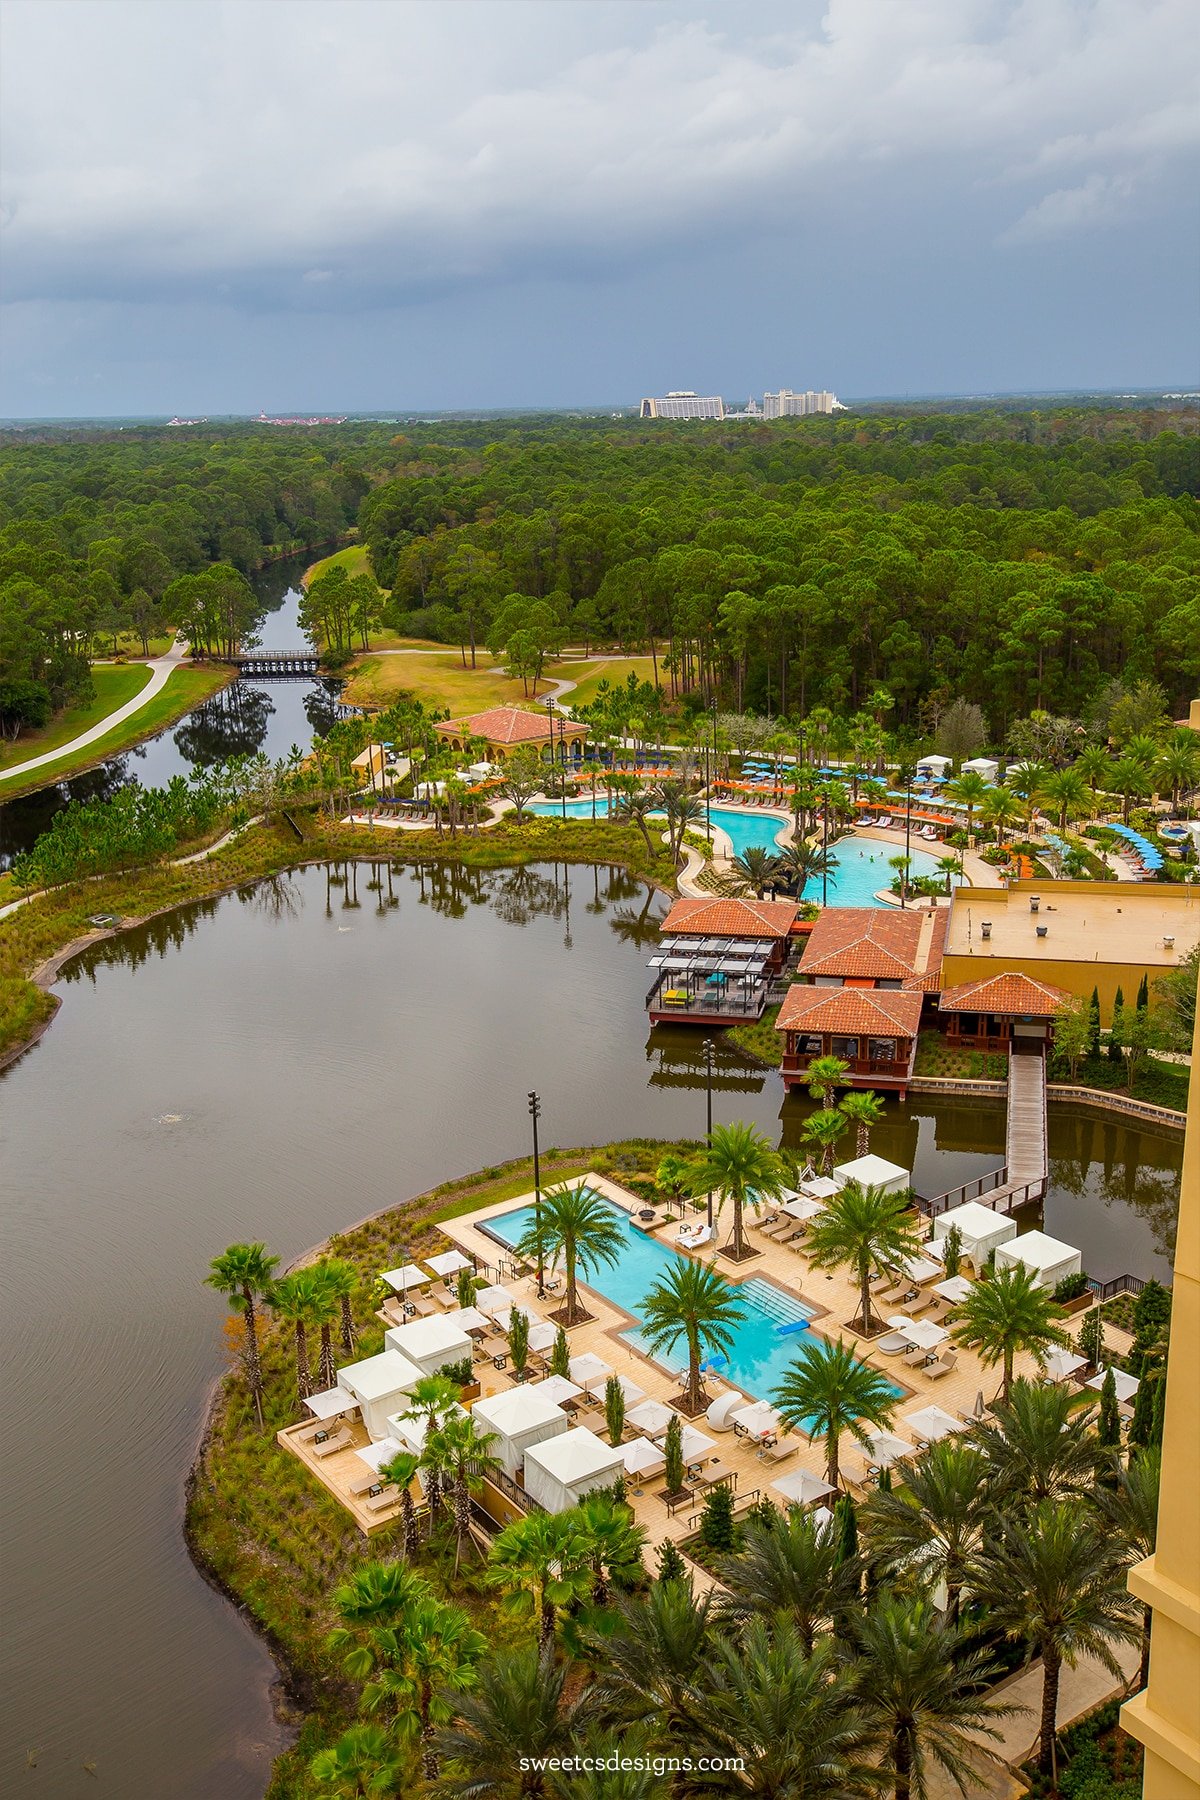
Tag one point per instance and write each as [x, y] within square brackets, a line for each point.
[1079, 1304]
[470, 1392]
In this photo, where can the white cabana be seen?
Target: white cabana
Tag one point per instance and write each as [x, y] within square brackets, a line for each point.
[429, 1343]
[982, 765]
[653, 1417]
[504, 1316]
[332, 1404]
[720, 1411]
[468, 1319]
[559, 1389]
[801, 1488]
[641, 1457]
[1062, 1364]
[955, 1288]
[919, 1268]
[1126, 1385]
[1049, 1259]
[406, 1277]
[979, 1227]
[519, 1417]
[542, 1336]
[885, 1448]
[757, 1420]
[932, 1423]
[804, 1207]
[375, 1455]
[934, 765]
[448, 1262]
[563, 1468]
[379, 1384]
[495, 1299]
[873, 1171]
[589, 1370]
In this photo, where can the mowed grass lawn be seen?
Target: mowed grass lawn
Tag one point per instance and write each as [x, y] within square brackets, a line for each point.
[616, 670]
[114, 686]
[438, 680]
[353, 559]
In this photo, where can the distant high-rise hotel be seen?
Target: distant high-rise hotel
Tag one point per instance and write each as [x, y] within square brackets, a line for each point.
[682, 403]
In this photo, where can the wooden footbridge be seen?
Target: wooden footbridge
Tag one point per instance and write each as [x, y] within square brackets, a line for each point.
[276, 665]
[1022, 1180]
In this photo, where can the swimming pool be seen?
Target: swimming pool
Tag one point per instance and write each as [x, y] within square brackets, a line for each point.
[760, 1353]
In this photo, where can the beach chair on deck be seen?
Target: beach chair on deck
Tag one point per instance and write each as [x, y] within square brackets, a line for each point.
[383, 1501]
[337, 1440]
[944, 1364]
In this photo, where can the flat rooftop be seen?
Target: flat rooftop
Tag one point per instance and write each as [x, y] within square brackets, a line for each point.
[1086, 921]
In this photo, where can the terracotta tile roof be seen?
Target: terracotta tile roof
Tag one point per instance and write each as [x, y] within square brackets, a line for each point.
[866, 940]
[505, 725]
[731, 918]
[850, 1010]
[1018, 995]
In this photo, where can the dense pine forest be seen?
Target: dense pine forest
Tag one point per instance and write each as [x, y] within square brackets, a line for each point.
[1018, 561]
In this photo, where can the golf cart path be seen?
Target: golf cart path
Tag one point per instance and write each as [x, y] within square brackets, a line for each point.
[161, 668]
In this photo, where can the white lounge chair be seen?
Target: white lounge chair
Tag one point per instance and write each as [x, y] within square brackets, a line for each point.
[692, 1237]
[942, 1366]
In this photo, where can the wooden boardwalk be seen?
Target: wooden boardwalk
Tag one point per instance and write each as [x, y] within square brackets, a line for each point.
[1022, 1180]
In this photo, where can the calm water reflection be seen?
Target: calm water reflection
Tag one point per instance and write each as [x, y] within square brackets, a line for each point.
[278, 1063]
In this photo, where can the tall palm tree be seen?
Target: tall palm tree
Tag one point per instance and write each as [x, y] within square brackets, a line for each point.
[1095, 765]
[299, 1300]
[400, 1471]
[1010, 1312]
[1028, 782]
[434, 1654]
[327, 1300]
[1131, 1510]
[1131, 779]
[579, 1226]
[518, 1712]
[1039, 1445]
[245, 1273]
[786, 1714]
[948, 867]
[863, 1108]
[1177, 770]
[791, 1566]
[541, 1560]
[970, 790]
[825, 1130]
[636, 808]
[342, 1278]
[740, 1166]
[1068, 793]
[1053, 1577]
[932, 1530]
[919, 1687]
[359, 1765]
[371, 1604]
[651, 1666]
[864, 1227]
[825, 1073]
[756, 865]
[614, 1541]
[828, 1392]
[693, 1302]
[1001, 809]
[463, 1449]
[800, 862]
[430, 1402]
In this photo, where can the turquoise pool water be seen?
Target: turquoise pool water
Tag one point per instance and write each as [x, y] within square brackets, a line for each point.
[863, 865]
[760, 1353]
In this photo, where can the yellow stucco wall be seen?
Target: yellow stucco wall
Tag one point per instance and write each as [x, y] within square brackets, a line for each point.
[1165, 1718]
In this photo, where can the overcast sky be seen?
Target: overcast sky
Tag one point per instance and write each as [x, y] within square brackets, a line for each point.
[221, 205]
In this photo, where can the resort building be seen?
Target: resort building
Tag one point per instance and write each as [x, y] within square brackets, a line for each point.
[1074, 935]
[684, 403]
[1001, 1012]
[874, 1032]
[505, 729]
[787, 405]
[876, 947]
[718, 961]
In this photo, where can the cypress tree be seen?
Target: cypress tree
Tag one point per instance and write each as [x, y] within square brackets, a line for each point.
[671, 1566]
[1160, 1408]
[1143, 994]
[1115, 1053]
[1141, 1426]
[716, 1523]
[1108, 1429]
[1094, 1017]
[845, 1529]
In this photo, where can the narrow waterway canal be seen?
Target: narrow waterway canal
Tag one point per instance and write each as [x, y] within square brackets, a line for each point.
[275, 1064]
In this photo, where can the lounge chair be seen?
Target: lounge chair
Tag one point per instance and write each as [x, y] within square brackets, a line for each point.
[383, 1501]
[885, 821]
[920, 1304]
[337, 1440]
[916, 1353]
[882, 1281]
[788, 1237]
[777, 1227]
[692, 1237]
[942, 1366]
[362, 1484]
[782, 1448]
[928, 831]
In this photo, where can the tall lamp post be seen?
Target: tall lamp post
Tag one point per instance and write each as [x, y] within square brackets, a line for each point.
[535, 1113]
[562, 740]
[906, 775]
[709, 1053]
[712, 770]
[825, 847]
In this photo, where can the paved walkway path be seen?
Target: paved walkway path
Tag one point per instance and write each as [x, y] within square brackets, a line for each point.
[161, 667]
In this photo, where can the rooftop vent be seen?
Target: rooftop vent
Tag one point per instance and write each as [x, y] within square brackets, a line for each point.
[986, 929]
[1042, 930]
[1168, 943]
[1034, 902]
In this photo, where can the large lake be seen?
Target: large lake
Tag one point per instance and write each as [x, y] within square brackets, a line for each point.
[276, 1064]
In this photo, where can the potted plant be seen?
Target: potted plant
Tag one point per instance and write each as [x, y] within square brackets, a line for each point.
[463, 1374]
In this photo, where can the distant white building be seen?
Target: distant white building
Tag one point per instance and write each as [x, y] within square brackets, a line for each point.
[787, 405]
[684, 403]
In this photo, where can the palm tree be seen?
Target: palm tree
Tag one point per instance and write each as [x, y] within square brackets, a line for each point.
[827, 1391]
[970, 790]
[614, 1541]
[801, 862]
[740, 1166]
[434, 1653]
[1177, 769]
[682, 809]
[342, 1279]
[244, 1273]
[579, 1226]
[919, 1688]
[1053, 1577]
[1028, 782]
[1001, 809]
[672, 1175]
[1095, 765]
[934, 1529]
[299, 1300]
[651, 1666]
[1131, 779]
[637, 808]
[328, 1285]
[1010, 1312]
[541, 1560]
[693, 1302]
[519, 1712]
[825, 1130]
[1131, 1509]
[948, 867]
[791, 1566]
[464, 1451]
[400, 1471]
[865, 1227]
[430, 1402]
[786, 1714]
[1068, 793]
[371, 1604]
[825, 1073]
[360, 1765]
[756, 866]
[863, 1108]
[1039, 1445]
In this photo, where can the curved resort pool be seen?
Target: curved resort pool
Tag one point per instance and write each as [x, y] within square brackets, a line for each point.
[863, 863]
[765, 1341]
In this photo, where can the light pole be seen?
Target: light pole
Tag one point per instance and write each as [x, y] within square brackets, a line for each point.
[712, 770]
[907, 776]
[709, 1052]
[535, 1113]
[825, 847]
